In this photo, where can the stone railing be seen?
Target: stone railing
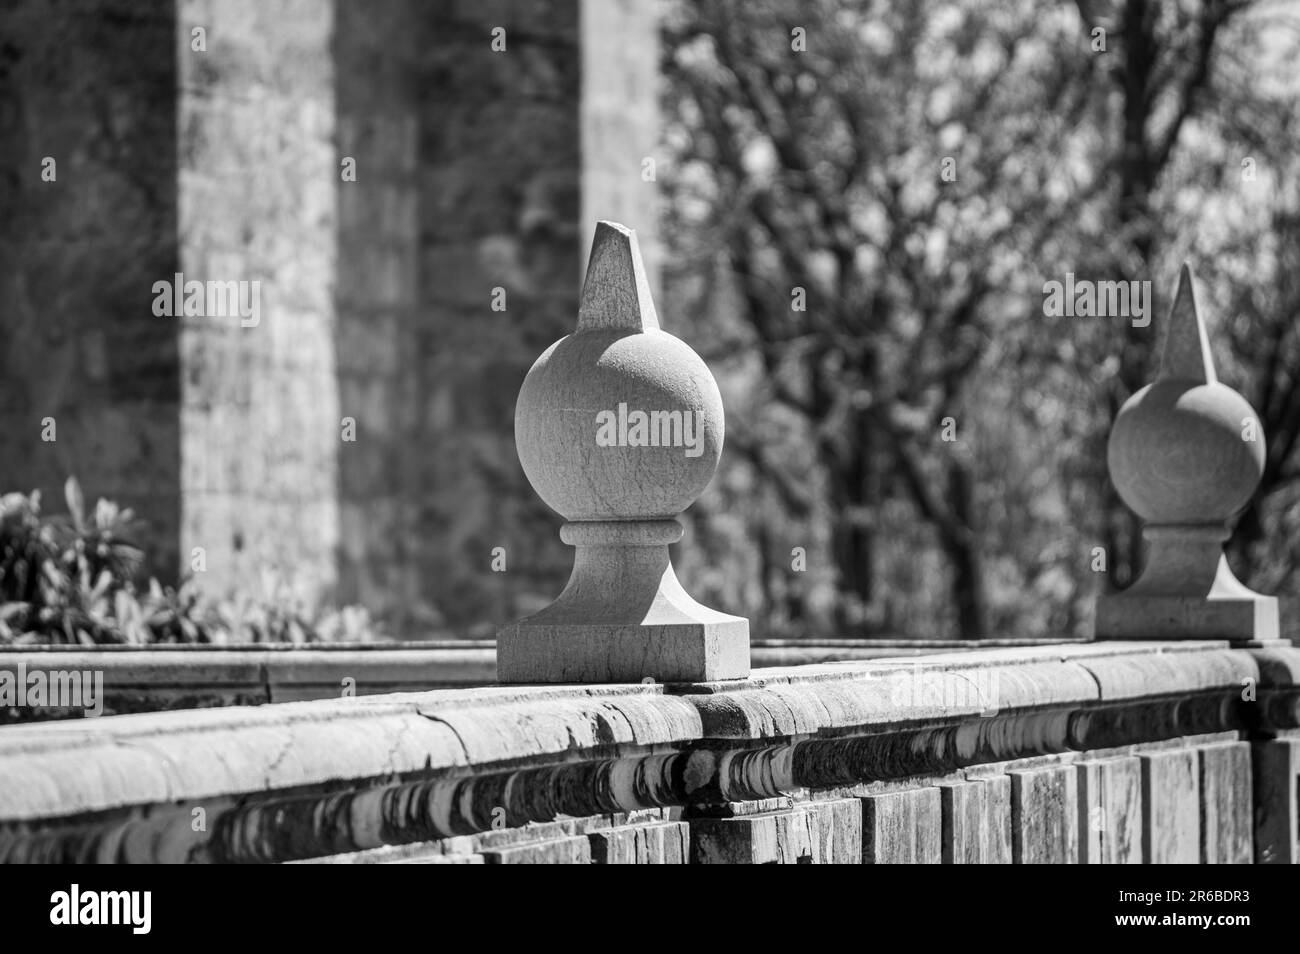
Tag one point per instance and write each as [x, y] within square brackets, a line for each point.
[646, 737]
[1108, 752]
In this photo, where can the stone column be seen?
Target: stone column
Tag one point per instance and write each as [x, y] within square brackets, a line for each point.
[620, 125]
[1186, 454]
[258, 185]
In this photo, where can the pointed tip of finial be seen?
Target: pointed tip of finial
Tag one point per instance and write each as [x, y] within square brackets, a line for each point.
[1187, 346]
[616, 292]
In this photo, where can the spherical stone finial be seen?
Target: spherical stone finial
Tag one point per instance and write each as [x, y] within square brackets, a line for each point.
[1186, 449]
[619, 428]
[618, 420]
[1186, 454]
[1177, 453]
[615, 425]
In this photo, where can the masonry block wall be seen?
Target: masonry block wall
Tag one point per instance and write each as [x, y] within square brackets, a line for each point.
[377, 52]
[79, 346]
[409, 301]
[501, 172]
[484, 135]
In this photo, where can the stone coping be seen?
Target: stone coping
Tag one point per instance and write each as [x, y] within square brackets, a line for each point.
[866, 643]
[277, 672]
[83, 767]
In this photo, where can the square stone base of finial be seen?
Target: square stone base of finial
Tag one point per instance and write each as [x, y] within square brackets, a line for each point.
[1245, 621]
[576, 653]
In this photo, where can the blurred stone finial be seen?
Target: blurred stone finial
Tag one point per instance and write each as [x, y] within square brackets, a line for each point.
[619, 428]
[1186, 454]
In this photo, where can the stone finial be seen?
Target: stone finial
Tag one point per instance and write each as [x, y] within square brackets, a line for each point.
[1186, 453]
[619, 428]
[1187, 347]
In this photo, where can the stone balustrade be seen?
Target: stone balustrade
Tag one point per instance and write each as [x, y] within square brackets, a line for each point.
[1175, 751]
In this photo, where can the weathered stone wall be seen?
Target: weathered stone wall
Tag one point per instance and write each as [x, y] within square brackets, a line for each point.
[91, 85]
[377, 52]
[460, 260]
[501, 167]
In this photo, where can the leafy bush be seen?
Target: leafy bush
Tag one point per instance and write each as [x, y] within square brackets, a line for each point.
[72, 579]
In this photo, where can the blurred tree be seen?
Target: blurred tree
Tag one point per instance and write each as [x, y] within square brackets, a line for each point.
[866, 200]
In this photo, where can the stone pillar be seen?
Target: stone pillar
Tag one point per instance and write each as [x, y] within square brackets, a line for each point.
[258, 184]
[620, 123]
[1186, 454]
